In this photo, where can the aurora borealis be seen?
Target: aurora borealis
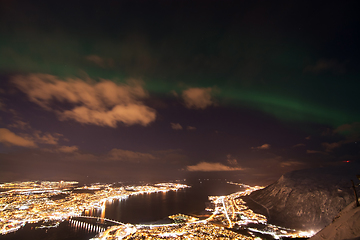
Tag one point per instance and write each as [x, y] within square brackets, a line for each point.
[168, 89]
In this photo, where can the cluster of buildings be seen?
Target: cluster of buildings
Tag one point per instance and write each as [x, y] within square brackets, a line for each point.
[31, 202]
[231, 211]
[194, 230]
[37, 184]
[182, 218]
[229, 214]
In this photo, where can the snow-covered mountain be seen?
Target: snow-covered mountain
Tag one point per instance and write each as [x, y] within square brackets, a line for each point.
[307, 199]
[346, 225]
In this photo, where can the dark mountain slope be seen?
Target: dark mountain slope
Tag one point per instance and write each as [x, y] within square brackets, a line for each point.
[346, 225]
[307, 199]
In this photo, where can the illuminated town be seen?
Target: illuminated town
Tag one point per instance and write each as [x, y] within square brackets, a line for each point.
[32, 202]
[49, 203]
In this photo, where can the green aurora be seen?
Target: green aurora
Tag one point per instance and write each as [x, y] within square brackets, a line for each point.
[242, 80]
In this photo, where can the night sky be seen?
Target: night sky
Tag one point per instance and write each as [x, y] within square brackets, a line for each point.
[157, 90]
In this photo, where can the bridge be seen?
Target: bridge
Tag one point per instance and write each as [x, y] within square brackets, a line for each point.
[100, 218]
[136, 225]
[77, 223]
[86, 226]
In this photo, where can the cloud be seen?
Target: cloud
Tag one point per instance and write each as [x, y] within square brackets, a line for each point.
[174, 93]
[329, 147]
[291, 164]
[298, 145]
[173, 156]
[36, 135]
[9, 138]
[85, 158]
[62, 149]
[231, 161]
[351, 131]
[46, 138]
[101, 62]
[20, 125]
[191, 128]
[198, 98]
[104, 103]
[68, 149]
[128, 114]
[264, 146]
[314, 151]
[163, 157]
[327, 132]
[125, 155]
[324, 65]
[211, 167]
[176, 126]
[2, 106]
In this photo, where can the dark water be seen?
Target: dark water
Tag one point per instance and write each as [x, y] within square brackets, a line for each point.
[152, 207]
[141, 208]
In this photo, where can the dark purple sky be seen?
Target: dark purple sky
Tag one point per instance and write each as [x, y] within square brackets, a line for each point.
[153, 90]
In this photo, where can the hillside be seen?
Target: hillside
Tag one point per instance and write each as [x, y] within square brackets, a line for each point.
[307, 199]
[345, 226]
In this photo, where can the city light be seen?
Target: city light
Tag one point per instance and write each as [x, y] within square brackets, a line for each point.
[50, 203]
[33, 202]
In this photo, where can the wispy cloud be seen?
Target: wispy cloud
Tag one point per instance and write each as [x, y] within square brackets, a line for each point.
[264, 146]
[231, 160]
[329, 147]
[298, 145]
[20, 125]
[191, 128]
[316, 152]
[351, 133]
[324, 65]
[198, 98]
[211, 167]
[34, 135]
[100, 61]
[2, 106]
[68, 149]
[104, 103]
[46, 138]
[126, 155]
[9, 138]
[176, 126]
[291, 163]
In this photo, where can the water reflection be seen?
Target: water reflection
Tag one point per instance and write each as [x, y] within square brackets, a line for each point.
[142, 208]
[80, 225]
